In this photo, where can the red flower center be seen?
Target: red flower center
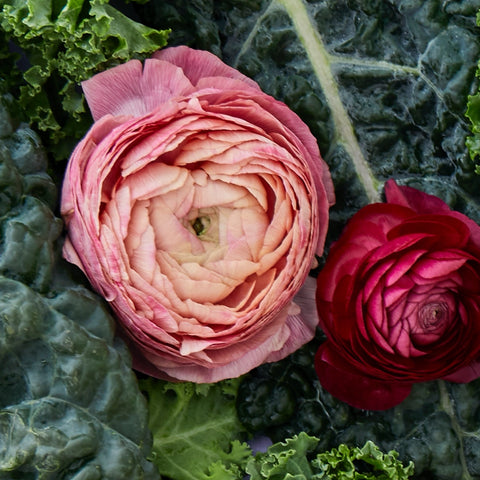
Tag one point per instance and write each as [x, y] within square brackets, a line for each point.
[433, 316]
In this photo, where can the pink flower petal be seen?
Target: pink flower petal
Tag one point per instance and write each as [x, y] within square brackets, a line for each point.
[402, 266]
[295, 333]
[197, 64]
[134, 89]
[432, 268]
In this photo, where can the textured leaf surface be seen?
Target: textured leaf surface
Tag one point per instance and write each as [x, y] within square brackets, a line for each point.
[382, 84]
[63, 43]
[473, 113]
[70, 406]
[296, 459]
[196, 430]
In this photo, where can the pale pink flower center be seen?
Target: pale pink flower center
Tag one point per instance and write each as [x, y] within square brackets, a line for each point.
[217, 223]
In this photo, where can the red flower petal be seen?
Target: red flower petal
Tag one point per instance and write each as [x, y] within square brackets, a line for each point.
[465, 374]
[418, 201]
[424, 203]
[349, 385]
[399, 300]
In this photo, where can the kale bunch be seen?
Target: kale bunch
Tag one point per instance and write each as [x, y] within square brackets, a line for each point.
[293, 459]
[70, 406]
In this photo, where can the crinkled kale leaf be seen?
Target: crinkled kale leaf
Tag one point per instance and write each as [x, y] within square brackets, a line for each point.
[295, 458]
[28, 228]
[70, 406]
[382, 84]
[63, 43]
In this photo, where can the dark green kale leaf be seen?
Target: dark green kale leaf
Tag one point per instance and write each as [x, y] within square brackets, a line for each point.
[382, 84]
[392, 80]
[69, 403]
[70, 406]
[28, 228]
[193, 22]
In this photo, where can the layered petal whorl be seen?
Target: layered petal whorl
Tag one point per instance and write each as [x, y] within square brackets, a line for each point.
[195, 205]
[399, 300]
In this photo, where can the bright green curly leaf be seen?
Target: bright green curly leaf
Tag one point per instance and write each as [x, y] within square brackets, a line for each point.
[297, 458]
[65, 42]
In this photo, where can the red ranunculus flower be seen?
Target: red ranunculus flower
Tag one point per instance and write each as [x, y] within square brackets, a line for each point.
[195, 205]
[399, 300]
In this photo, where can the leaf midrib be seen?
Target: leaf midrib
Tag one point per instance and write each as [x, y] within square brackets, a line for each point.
[320, 61]
[185, 435]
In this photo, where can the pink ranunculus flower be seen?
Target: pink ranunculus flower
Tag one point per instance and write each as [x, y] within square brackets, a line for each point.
[399, 300]
[195, 205]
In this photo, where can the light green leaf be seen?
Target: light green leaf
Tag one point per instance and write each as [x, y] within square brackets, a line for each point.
[473, 113]
[195, 430]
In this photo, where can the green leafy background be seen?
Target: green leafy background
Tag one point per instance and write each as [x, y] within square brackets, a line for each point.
[62, 43]
[382, 84]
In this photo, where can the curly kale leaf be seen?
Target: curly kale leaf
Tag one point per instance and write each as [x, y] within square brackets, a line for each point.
[473, 113]
[63, 43]
[70, 406]
[473, 141]
[296, 459]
